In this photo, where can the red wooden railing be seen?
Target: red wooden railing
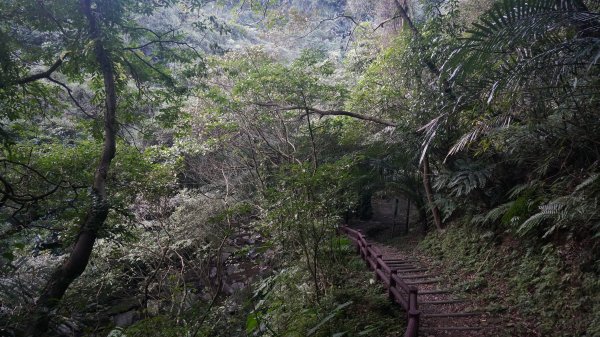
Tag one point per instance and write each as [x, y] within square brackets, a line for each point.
[398, 290]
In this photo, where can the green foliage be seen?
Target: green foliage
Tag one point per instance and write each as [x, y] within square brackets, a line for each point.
[159, 325]
[305, 209]
[504, 109]
[547, 285]
[463, 180]
[350, 307]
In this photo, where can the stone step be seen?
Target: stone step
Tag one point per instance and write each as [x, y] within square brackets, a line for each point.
[435, 291]
[414, 270]
[442, 301]
[418, 276]
[422, 282]
[451, 328]
[451, 314]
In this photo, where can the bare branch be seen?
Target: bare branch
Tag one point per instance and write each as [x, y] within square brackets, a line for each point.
[35, 77]
[70, 92]
[382, 23]
[335, 18]
[330, 113]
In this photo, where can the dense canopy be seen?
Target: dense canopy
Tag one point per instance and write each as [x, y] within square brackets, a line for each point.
[182, 167]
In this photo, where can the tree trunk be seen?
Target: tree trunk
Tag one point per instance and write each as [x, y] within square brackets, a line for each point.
[437, 219]
[447, 89]
[77, 261]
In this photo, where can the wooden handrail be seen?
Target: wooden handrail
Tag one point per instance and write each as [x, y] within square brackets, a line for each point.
[400, 284]
[398, 290]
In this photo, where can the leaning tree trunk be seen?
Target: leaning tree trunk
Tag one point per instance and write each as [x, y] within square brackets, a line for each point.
[77, 261]
[437, 219]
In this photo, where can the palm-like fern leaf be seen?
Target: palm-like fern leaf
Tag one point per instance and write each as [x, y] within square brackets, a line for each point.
[517, 50]
[517, 37]
[462, 181]
[493, 215]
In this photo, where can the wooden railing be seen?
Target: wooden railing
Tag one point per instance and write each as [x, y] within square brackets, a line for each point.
[398, 290]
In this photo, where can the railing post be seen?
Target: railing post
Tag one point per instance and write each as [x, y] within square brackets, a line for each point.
[392, 284]
[413, 294]
[368, 254]
[363, 249]
[413, 328]
[377, 265]
[358, 238]
[413, 312]
[359, 245]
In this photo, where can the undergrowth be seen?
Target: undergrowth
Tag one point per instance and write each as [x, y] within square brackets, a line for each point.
[353, 305]
[284, 305]
[554, 288]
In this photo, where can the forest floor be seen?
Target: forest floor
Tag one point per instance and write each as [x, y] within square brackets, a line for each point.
[451, 301]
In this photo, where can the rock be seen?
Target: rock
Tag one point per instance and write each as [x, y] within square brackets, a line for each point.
[237, 286]
[191, 299]
[232, 269]
[225, 256]
[66, 329]
[227, 289]
[153, 307]
[126, 319]
[229, 249]
[124, 305]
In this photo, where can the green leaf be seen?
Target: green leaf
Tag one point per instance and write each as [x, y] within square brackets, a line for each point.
[8, 255]
[328, 318]
[251, 322]
[366, 332]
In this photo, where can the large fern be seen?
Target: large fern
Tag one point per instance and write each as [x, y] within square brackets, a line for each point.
[579, 208]
[467, 177]
[492, 216]
[519, 36]
[523, 51]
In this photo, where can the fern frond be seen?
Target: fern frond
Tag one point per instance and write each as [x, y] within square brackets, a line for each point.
[464, 180]
[590, 180]
[493, 215]
[481, 127]
[519, 189]
[518, 37]
[533, 222]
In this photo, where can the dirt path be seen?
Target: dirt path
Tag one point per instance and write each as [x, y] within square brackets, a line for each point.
[446, 309]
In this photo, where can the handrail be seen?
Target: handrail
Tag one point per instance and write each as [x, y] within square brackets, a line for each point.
[398, 290]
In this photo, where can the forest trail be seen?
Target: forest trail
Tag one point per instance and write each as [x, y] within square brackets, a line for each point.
[446, 310]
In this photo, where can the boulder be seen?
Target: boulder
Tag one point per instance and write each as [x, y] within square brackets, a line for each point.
[126, 319]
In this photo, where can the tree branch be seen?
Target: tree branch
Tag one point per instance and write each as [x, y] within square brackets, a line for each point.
[382, 23]
[335, 18]
[35, 77]
[330, 113]
[70, 92]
